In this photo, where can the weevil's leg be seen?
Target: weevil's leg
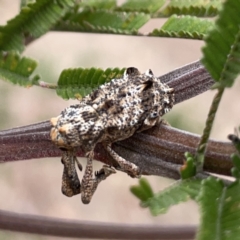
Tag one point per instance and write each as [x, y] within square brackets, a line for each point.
[101, 175]
[130, 168]
[70, 183]
[79, 165]
[87, 182]
[68, 160]
[89, 185]
[69, 187]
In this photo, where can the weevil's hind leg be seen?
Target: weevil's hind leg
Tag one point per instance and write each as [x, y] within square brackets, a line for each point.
[130, 168]
[101, 175]
[70, 182]
[90, 184]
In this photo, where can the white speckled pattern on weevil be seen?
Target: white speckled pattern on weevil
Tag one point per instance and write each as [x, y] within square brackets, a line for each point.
[113, 112]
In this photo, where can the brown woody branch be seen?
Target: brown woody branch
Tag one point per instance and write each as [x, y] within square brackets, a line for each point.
[157, 151]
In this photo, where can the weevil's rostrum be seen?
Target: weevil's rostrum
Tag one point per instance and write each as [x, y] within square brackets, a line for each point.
[113, 112]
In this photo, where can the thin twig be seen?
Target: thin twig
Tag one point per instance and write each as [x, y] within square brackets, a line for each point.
[93, 230]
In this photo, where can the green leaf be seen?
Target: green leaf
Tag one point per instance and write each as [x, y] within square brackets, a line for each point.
[99, 4]
[103, 21]
[222, 50]
[149, 6]
[201, 8]
[180, 191]
[220, 211]
[188, 170]
[76, 83]
[143, 191]
[33, 21]
[17, 70]
[184, 27]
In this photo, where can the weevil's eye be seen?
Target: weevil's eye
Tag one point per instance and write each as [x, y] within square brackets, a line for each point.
[149, 73]
[153, 115]
[131, 71]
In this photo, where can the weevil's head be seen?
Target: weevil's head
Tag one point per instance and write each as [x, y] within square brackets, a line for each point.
[77, 125]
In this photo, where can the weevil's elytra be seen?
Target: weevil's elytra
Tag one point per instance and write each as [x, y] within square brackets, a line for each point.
[113, 112]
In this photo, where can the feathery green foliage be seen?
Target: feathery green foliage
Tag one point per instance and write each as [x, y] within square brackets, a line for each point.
[25, 2]
[98, 4]
[220, 210]
[188, 170]
[76, 83]
[143, 191]
[159, 203]
[33, 21]
[103, 21]
[148, 6]
[184, 27]
[98, 16]
[222, 51]
[200, 8]
[219, 205]
[17, 70]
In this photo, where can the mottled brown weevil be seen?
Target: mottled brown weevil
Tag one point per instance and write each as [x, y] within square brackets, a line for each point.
[113, 112]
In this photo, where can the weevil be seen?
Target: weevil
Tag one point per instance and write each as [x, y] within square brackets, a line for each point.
[113, 112]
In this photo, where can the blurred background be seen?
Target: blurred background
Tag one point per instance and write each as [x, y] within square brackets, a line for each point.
[34, 186]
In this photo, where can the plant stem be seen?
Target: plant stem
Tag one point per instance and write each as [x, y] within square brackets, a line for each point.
[207, 130]
[46, 85]
[157, 151]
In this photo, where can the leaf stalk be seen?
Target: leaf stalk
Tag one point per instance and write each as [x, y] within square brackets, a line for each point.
[201, 149]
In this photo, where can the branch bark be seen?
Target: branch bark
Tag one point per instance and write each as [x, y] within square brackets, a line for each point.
[157, 151]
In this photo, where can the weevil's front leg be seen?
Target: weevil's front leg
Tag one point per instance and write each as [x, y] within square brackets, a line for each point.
[70, 182]
[130, 168]
[90, 184]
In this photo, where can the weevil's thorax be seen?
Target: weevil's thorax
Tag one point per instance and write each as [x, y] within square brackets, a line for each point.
[115, 111]
[133, 103]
